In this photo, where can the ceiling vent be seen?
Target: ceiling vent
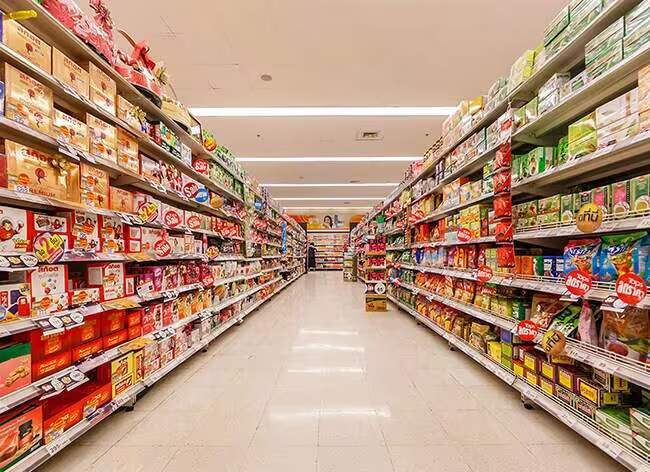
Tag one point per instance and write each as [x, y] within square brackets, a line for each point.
[369, 136]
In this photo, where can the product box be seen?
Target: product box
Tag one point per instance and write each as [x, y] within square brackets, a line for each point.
[103, 138]
[50, 365]
[103, 91]
[49, 285]
[618, 131]
[127, 151]
[94, 187]
[89, 331]
[617, 109]
[15, 225]
[68, 72]
[147, 208]
[84, 230]
[565, 395]
[547, 386]
[169, 141]
[70, 130]
[112, 321]
[15, 367]
[84, 296]
[115, 339]
[120, 200]
[559, 23]
[601, 197]
[595, 394]
[585, 407]
[585, 126]
[616, 421]
[610, 382]
[15, 300]
[50, 223]
[568, 378]
[21, 433]
[111, 234]
[640, 421]
[109, 277]
[43, 346]
[86, 350]
[32, 171]
[150, 169]
[150, 236]
[547, 370]
[640, 193]
[583, 146]
[637, 39]
[27, 101]
[609, 58]
[27, 44]
[621, 201]
[127, 112]
[122, 374]
[611, 35]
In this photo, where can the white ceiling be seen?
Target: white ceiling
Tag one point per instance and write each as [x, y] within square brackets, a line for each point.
[333, 53]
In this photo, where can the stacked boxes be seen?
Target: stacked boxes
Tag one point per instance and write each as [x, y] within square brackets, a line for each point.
[618, 120]
[549, 210]
[522, 69]
[644, 99]
[549, 93]
[637, 28]
[583, 139]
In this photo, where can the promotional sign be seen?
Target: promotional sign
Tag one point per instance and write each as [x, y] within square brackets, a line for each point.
[162, 248]
[49, 247]
[578, 282]
[484, 274]
[464, 235]
[631, 289]
[553, 342]
[589, 218]
[527, 330]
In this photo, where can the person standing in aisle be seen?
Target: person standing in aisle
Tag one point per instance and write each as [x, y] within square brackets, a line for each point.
[311, 256]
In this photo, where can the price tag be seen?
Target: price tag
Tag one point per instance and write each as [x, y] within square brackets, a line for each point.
[610, 447]
[67, 150]
[55, 446]
[67, 380]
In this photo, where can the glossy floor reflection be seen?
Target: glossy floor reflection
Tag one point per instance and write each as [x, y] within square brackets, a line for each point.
[311, 382]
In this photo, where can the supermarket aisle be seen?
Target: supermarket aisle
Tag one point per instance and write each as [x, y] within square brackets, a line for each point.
[312, 383]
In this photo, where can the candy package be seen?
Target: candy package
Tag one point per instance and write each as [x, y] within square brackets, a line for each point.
[619, 255]
[545, 307]
[503, 156]
[582, 254]
[501, 181]
[503, 206]
[506, 256]
[627, 333]
[504, 232]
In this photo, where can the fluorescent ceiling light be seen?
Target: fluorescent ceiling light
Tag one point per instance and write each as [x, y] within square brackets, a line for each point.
[324, 199]
[328, 208]
[332, 159]
[330, 185]
[321, 111]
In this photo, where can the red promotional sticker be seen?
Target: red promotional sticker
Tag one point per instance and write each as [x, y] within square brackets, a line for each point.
[207, 280]
[172, 219]
[631, 289]
[578, 282]
[190, 190]
[484, 274]
[194, 222]
[527, 330]
[162, 248]
[201, 166]
[464, 235]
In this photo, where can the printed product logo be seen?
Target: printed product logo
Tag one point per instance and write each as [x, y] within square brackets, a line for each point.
[148, 212]
[464, 235]
[207, 280]
[202, 195]
[484, 274]
[553, 342]
[527, 330]
[162, 248]
[172, 219]
[201, 166]
[190, 190]
[212, 252]
[578, 282]
[194, 222]
[631, 289]
[589, 218]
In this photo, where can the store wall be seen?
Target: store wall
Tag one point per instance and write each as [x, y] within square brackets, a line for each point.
[327, 219]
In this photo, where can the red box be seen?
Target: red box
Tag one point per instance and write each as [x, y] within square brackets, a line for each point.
[14, 425]
[129, 285]
[99, 396]
[89, 331]
[167, 314]
[83, 230]
[148, 320]
[50, 365]
[112, 321]
[61, 413]
[86, 350]
[115, 339]
[44, 346]
[134, 317]
[135, 332]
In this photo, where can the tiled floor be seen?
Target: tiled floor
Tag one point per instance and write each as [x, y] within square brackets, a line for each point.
[311, 382]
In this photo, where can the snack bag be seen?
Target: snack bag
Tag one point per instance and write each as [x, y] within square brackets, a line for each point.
[582, 254]
[587, 325]
[619, 255]
[627, 333]
[545, 307]
[566, 321]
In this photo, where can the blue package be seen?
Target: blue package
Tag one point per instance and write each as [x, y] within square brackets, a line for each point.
[619, 254]
[644, 259]
[582, 254]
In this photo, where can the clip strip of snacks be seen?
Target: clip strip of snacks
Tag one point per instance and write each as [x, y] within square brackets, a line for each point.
[564, 317]
[125, 230]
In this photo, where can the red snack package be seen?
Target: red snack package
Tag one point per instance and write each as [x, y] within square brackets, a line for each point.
[503, 206]
[503, 156]
[472, 256]
[504, 231]
[501, 181]
[506, 255]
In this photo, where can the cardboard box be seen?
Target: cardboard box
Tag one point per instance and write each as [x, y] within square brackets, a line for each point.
[32, 171]
[15, 367]
[115, 339]
[112, 321]
[84, 230]
[122, 374]
[15, 225]
[50, 365]
[49, 284]
[21, 433]
[111, 234]
[27, 101]
[103, 90]
[618, 109]
[109, 277]
[103, 138]
[15, 302]
[70, 73]
[86, 350]
[69, 130]
[120, 200]
[127, 151]
[94, 187]
[27, 44]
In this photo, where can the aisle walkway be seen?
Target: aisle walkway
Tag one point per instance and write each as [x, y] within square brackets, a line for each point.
[312, 383]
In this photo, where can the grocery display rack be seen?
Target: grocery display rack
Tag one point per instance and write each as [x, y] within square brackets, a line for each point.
[457, 156]
[329, 247]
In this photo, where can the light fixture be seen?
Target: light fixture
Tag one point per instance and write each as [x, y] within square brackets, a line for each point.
[266, 77]
[320, 111]
[324, 199]
[378, 184]
[332, 159]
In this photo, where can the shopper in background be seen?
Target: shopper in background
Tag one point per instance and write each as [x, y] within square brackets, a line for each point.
[311, 256]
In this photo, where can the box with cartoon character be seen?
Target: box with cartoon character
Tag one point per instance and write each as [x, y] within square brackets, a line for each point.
[109, 277]
[49, 284]
[14, 230]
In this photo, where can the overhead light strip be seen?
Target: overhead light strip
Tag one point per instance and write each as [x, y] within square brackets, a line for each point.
[328, 208]
[325, 199]
[243, 112]
[332, 159]
[330, 185]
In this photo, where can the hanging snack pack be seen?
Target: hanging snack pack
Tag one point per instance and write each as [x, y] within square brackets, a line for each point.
[620, 255]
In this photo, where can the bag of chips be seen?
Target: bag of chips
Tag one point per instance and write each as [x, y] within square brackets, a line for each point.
[545, 307]
[619, 255]
[582, 254]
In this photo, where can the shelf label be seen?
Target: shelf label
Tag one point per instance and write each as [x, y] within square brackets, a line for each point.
[631, 289]
[55, 446]
[59, 383]
[527, 330]
[484, 274]
[578, 282]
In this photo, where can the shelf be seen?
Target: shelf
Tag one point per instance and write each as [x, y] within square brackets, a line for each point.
[441, 213]
[617, 80]
[569, 416]
[397, 248]
[394, 231]
[616, 159]
[485, 239]
[44, 453]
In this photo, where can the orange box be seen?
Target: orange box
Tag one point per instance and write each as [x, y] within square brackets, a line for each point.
[45, 346]
[127, 151]
[103, 138]
[112, 321]
[532, 377]
[115, 339]
[89, 331]
[94, 187]
[50, 365]
[95, 400]
[121, 200]
[70, 73]
[61, 421]
[134, 317]
[70, 130]
[27, 101]
[86, 350]
[27, 44]
[134, 332]
[13, 426]
[126, 111]
[102, 89]
[32, 171]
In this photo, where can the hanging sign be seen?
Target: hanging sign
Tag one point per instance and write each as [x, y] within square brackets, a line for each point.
[527, 330]
[162, 248]
[578, 282]
[484, 274]
[589, 218]
[631, 289]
